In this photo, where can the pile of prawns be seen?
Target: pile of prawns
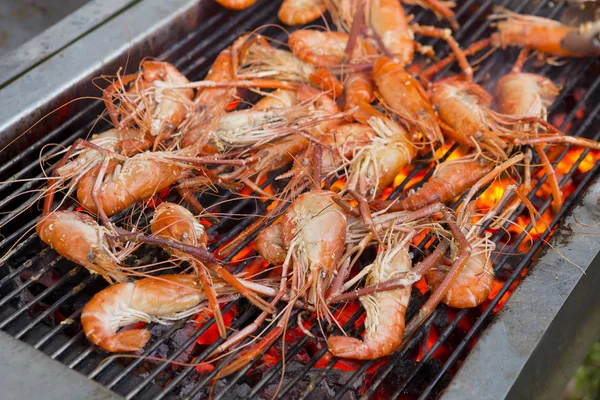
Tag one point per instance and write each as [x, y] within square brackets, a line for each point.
[335, 106]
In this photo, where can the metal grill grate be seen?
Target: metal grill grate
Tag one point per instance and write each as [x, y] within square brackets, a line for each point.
[30, 308]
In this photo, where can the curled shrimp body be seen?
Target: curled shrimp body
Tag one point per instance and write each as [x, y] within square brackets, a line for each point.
[547, 35]
[405, 96]
[376, 165]
[78, 238]
[138, 178]
[384, 325]
[299, 12]
[463, 107]
[474, 282]
[236, 4]
[145, 300]
[450, 179]
[522, 94]
[325, 49]
[269, 244]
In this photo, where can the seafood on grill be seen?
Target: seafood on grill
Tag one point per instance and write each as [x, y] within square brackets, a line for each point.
[153, 299]
[547, 36]
[345, 112]
[405, 96]
[79, 238]
[451, 179]
[374, 166]
[473, 283]
[150, 108]
[385, 310]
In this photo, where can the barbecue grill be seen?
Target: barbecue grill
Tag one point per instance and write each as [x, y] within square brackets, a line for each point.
[526, 346]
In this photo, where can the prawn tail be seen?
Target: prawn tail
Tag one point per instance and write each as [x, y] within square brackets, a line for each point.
[130, 340]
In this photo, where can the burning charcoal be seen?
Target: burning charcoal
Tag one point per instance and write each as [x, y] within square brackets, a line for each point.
[441, 319]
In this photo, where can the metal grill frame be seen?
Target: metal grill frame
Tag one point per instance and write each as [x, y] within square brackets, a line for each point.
[152, 38]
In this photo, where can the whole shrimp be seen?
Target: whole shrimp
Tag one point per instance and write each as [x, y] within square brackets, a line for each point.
[79, 238]
[473, 284]
[385, 310]
[406, 97]
[154, 110]
[151, 299]
[546, 35]
[313, 232]
[119, 185]
[464, 108]
[450, 180]
[258, 57]
[375, 166]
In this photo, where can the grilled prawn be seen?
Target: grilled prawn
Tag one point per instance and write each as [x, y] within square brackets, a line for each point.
[473, 284]
[121, 185]
[146, 300]
[154, 110]
[385, 310]
[406, 97]
[450, 180]
[78, 237]
[375, 166]
[546, 35]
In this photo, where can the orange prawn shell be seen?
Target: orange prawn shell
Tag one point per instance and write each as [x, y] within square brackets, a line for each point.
[405, 95]
[546, 38]
[458, 105]
[385, 325]
[300, 12]
[236, 4]
[320, 223]
[325, 49]
[518, 93]
[140, 178]
[390, 22]
[172, 221]
[471, 287]
[161, 296]
[76, 236]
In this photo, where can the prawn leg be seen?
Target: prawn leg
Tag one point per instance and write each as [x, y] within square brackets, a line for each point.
[446, 35]
[552, 179]
[426, 76]
[211, 296]
[109, 94]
